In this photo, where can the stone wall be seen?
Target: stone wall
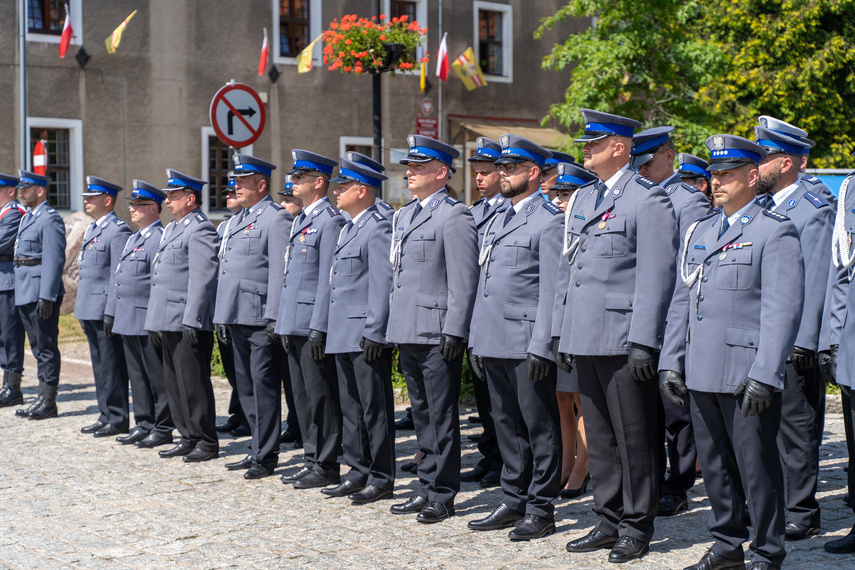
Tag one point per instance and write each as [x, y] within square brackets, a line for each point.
[75, 227]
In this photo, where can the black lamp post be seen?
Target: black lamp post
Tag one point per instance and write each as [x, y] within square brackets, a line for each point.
[393, 53]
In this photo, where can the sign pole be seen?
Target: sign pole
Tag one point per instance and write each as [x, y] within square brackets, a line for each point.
[439, 86]
[22, 81]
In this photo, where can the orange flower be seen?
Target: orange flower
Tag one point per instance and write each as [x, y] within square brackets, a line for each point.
[382, 16]
[403, 18]
[347, 42]
[383, 38]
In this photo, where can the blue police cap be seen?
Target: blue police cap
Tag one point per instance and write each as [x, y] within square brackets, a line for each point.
[556, 159]
[488, 150]
[646, 143]
[571, 176]
[305, 161]
[232, 184]
[8, 180]
[145, 191]
[96, 186]
[28, 179]
[176, 181]
[289, 187]
[599, 125]
[517, 149]
[350, 171]
[692, 166]
[425, 149]
[354, 156]
[730, 151]
[775, 142]
[787, 129]
[246, 164]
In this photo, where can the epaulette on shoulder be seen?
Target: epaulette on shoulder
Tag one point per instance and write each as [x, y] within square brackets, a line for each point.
[277, 206]
[689, 187]
[385, 205]
[50, 210]
[715, 212]
[815, 200]
[552, 208]
[119, 222]
[332, 212]
[451, 200]
[812, 179]
[378, 217]
[479, 202]
[647, 183]
[200, 218]
[776, 216]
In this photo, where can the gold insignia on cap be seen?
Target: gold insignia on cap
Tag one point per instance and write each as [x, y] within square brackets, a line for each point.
[718, 142]
[411, 140]
[505, 140]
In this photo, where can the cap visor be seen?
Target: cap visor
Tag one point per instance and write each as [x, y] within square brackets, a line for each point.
[92, 193]
[342, 179]
[560, 187]
[511, 159]
[478, 158]
[22, 185]
[408, 160]
[591, 138]
[640, 159]
[234, 174]
[716, 166]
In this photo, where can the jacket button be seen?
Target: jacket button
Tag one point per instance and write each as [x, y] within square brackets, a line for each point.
[630, 303]
[363, 312]
[399, 285]
[422, 236]
[750, 343]
[515, 242]
[577, 284]
[707, 262]
[333, 287]
[435, 305]
[486, 294]
[492, 259]
[700, 317]
[582, 248]
[579, 266]
[586, 232]
[701, 298]
[332, 300]
[525, 315]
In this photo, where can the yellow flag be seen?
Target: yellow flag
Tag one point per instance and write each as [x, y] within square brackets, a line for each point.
[423, 78]
[304, 58]
[116, 37]
[468, 70]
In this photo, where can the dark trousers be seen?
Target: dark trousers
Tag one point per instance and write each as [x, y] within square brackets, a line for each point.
[488, 443]
[11, 334]
[110, 372]
[291, 422]
[679, 437]
[256, 358]
[43, 337]
[315, 386]
[620, 423]
[368, 418]
[799, 436]
[145, 371]
[434, 388]
[187, 376]
[228, 359]
[848, 404]
[740, 461]
[529, 435]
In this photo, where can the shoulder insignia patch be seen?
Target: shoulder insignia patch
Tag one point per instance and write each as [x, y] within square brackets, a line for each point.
[378, 216]
[815, 200]
[451, 200]
[552, 208]
[50, 210]
[434, 204]
[776, 216]
[689, 187]
[812, 179]
[119, 222]
[277, 206]
[200, 218]
[645, 182]
[332, 211]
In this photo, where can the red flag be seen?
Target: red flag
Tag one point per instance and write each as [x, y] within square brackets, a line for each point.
[67, 32]
[262, 61]
[40, 158]
[442, 59]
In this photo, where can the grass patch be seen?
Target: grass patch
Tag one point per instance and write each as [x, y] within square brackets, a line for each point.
[70, 329]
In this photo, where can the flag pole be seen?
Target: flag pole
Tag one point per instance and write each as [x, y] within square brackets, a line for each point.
[22, 80]
[439, 86]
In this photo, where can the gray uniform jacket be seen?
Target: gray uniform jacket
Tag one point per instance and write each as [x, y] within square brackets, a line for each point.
[509, 319]
[305, 299]
[384, 208]
[481, 215]
[690, 204]
[184, 276]
[100, 252]
[819, 188]
[360, 282]
[436, 273]
[744, 305]
[252, 265]
[622, 271]
[42, 236]
[133, 280]
[10, 219]
[837, 327]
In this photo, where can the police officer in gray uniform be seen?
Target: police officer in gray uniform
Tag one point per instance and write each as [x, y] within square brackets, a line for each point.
[385, 209]
[179, 317]
[359, 306]
[11, 329]
[252, 262]
[803, 400]
[693, 170]
[303, 321]
[95, 305]
[511, 334]
[133, 286]
[733, 265]
[434, 257]
[39, 259]
[621, 239]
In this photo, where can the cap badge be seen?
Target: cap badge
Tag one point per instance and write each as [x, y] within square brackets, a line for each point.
[744, 220]
[764, 121]
[560, 169]
[680, 159]
[718, 142]
[349, 155]
[411, 140]
[505, 140]
[480, 142]
[294, 154]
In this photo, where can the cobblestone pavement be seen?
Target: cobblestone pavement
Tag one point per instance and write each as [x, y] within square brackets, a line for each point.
[69, 500]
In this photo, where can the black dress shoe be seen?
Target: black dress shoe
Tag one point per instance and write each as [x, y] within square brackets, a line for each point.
[475, 437]
[180, 449]
[297, 444]
[290, 436]
[670, 505]
[474, 419]
[414, 505]
[241, 431]
[258, 471]
[502, 517]
[476, 474]
[154, 439]
[493, 478]
[228, 425]
[715, 561]
[628, 548]
[25, 412]
[405, 423]
[370, 494]
[573, 493]
[410, 467]
[343, 489]
[531, 527]
[244, 463]
[764, 566]
[198, 455]
[317, 479]
[92, 428]
[288, 479]
[136, 434]
[846, 500]
[594, 540]
[435, 512]
[845, 545]
[110, 430]
[796, 531]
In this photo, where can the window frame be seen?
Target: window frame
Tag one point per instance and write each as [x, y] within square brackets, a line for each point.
[75, 155]
[421, 18]
[507, 12]
[315, 29]
[207, 132]
[76, 8]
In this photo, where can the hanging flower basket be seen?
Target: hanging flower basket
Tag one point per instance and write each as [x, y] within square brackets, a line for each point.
[362, 45]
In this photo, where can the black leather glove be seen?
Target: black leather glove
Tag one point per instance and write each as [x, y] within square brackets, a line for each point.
[371, 350]
[223, 335]
[642, 364]
[451, 347]
[538, 367]
[803, 360]
[191, 335]
[44, 308]
[756, 396]
[274, 338]
[563, 360]
[670, 384]
[476, 365]
[155, 339]
[317, 340]
[108, 325]
[828, 364]
[286, 344]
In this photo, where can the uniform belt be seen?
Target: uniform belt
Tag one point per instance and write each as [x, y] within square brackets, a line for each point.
[5, 258]
[19, 261]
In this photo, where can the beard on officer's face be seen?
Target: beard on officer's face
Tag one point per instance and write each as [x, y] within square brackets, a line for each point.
[510, 189]
[769, 179]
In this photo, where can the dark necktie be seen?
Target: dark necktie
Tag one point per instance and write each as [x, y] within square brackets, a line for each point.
[301, 218]
[486, 208]
[416, 211]
[347, 227]
[509, 215]
[601, 193]
[724, 226]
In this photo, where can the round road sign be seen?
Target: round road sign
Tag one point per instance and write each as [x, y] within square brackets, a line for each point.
[237, 115]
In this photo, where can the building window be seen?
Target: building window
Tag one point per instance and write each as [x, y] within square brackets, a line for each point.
[415, 11]
[219, 164]
[58, 164]
[398, 8]
[45, 16]
[493, 38]
[293, 27]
